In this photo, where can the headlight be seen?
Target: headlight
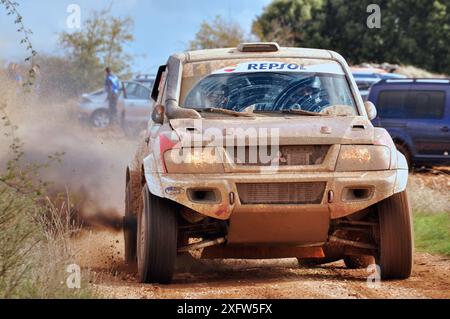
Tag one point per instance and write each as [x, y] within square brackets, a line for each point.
[194, 160]
[363, 158]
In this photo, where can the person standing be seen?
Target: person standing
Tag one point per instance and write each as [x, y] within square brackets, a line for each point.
[14, 77]
[112, 89]
[14, 74]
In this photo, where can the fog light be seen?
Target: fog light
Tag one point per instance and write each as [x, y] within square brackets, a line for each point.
[174, 190]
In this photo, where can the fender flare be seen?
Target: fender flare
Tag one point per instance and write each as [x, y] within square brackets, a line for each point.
[151, 177]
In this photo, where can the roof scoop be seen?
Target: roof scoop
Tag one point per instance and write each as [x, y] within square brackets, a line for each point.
[259, 47]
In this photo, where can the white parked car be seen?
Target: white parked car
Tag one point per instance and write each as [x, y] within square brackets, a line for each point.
[134, 107]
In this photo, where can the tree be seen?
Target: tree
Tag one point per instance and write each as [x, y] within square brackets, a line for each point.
[100, 43]
[218, 34]
[412, 31]
[287, 22]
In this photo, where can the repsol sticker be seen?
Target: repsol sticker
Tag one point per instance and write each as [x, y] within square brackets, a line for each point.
[267, 66]
[274, 66]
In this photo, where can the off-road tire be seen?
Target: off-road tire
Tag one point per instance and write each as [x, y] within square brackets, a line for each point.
[98, 118]
[129, 227]
[396, 246]
[156, 239]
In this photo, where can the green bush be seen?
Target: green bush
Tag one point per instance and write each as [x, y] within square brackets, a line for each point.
[432, 232]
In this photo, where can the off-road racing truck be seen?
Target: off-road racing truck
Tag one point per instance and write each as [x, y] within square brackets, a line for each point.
[262, 152]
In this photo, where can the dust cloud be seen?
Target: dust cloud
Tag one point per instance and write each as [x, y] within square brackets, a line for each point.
[92, 170]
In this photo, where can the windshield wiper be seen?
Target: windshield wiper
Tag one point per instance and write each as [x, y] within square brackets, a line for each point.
[301, 112]
[297, 112]
[224, 111]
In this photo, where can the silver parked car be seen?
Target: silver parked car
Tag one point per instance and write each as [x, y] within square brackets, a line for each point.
[134, 107]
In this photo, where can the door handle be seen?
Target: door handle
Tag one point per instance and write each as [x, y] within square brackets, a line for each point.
[445, 129]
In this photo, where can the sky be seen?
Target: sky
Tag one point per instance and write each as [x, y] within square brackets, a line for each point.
[162, 27]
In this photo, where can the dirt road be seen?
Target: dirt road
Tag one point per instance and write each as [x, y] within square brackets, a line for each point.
[102, 253]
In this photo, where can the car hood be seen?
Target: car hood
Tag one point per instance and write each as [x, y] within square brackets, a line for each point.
[295, 130]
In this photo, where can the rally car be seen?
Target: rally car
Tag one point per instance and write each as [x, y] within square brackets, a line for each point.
[265, 152]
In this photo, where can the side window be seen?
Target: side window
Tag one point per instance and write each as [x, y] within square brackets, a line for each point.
[391, 104]
[426, 104]
[162, 88]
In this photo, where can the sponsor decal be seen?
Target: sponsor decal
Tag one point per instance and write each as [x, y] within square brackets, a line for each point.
[268, 66]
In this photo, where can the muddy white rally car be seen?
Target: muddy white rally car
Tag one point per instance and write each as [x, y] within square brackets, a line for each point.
[262, 152]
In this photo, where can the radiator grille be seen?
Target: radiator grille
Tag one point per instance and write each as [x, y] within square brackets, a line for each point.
[287, 155]
[281, 193]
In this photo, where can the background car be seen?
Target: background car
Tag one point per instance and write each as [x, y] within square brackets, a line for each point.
[145, 79]
[134, 106]
[366, 77]
[416, 112]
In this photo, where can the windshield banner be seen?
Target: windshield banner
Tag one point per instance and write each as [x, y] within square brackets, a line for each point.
[267, 66]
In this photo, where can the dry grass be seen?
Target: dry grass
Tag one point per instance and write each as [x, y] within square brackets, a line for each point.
[430, 194]
[34, 232]
[414, 72]
[35, 249]
[430, 199]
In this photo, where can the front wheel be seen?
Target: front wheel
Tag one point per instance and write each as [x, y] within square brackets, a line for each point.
[396, 246]
[101, 119]
[157, 239]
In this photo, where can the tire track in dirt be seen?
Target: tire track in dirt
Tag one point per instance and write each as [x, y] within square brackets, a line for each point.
[102, 253]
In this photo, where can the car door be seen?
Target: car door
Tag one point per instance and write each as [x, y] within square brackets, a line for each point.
[426, 119]
[138, 105]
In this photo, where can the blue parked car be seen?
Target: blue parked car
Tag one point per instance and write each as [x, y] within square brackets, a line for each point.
[416, 112]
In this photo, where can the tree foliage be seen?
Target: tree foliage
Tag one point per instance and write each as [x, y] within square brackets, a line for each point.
[412, 31]
[220, 33]
[98, 44]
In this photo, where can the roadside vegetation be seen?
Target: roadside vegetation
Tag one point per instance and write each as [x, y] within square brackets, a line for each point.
[432, 232]
[35, 232]
[430, 199]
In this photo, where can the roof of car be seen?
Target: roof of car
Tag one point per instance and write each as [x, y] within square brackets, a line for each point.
[436, 81]
[235, 53]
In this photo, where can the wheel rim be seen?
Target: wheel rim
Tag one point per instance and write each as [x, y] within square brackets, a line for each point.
[101, 120]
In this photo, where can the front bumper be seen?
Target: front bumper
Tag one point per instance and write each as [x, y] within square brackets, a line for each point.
[307, 224]
[338, 198]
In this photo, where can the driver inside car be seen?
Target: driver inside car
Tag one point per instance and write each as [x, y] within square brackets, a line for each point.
[310, 99]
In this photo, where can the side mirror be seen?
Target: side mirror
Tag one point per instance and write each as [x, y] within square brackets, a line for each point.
[371, 110]
[158, 114]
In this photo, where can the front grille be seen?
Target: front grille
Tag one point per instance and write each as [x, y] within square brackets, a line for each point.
[286, 155]
[281, 193]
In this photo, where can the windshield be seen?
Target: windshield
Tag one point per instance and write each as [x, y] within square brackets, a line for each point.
[272, 86]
